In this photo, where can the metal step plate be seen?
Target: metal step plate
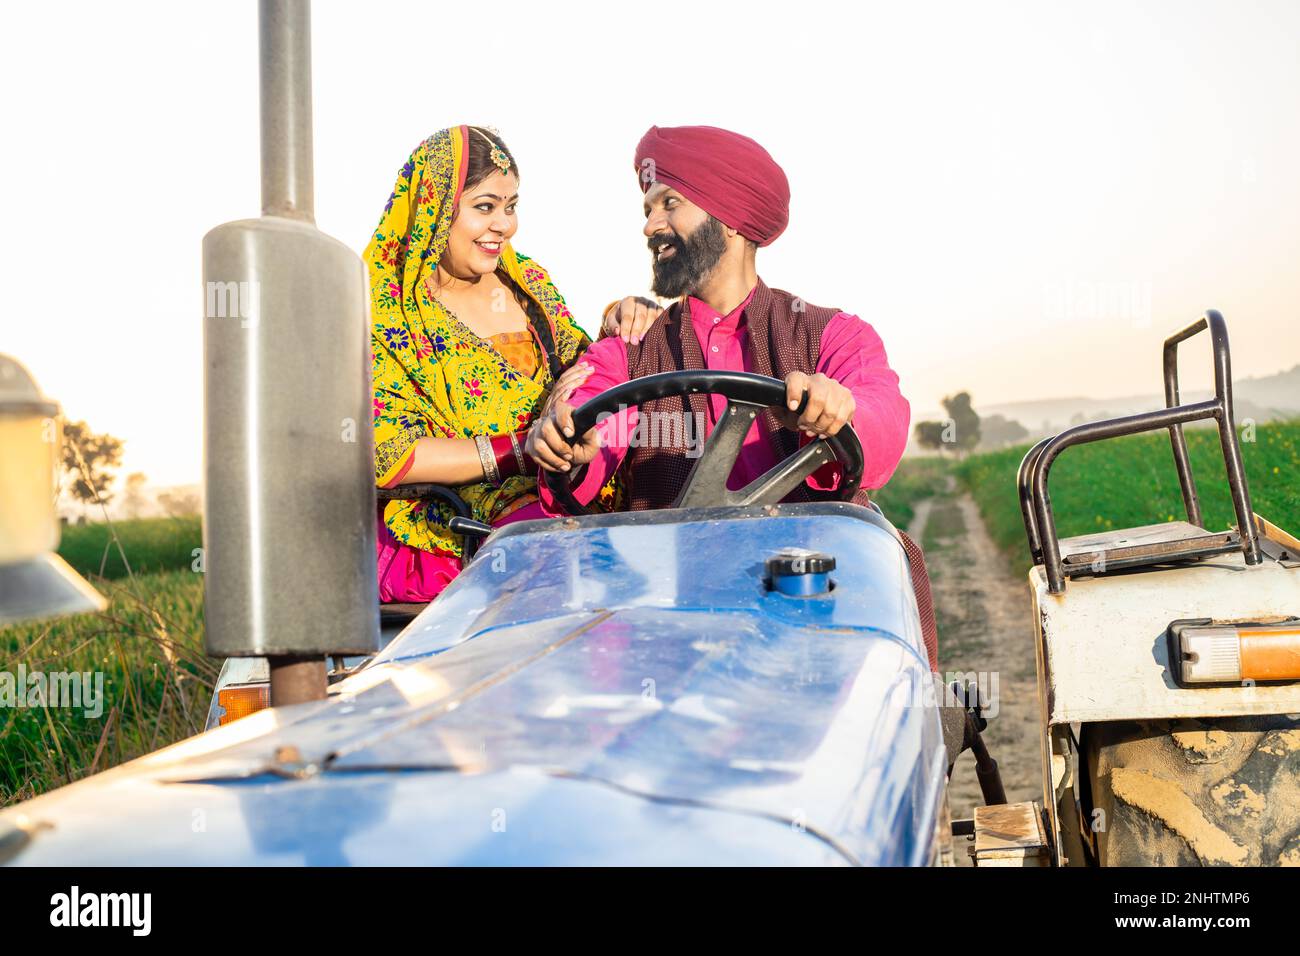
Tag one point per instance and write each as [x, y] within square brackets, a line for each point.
[1163, 543]
[1010, 834]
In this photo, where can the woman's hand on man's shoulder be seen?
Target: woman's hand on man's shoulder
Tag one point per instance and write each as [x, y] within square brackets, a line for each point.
[630, 318]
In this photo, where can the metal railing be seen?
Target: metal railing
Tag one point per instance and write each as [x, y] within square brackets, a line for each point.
[1035, 468]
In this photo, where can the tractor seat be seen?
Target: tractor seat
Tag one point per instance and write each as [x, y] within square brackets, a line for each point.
[398, 613]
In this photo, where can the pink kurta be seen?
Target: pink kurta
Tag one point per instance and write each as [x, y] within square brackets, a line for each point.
[851, 353]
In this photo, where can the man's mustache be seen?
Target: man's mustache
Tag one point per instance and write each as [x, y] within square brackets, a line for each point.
[666, 239]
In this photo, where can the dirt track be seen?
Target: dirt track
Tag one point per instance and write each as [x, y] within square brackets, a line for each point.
[985, 626]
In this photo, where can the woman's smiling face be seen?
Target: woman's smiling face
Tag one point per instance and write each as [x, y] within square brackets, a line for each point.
[485, 221]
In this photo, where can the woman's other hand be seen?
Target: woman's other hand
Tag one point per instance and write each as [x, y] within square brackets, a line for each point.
[568, 383]
[631, 318]
[551, 442]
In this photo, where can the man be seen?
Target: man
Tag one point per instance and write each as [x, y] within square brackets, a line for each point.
[711, 199]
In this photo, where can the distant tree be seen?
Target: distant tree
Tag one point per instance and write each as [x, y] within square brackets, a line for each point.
[966, 424]
[179, 503]
[134, 501]
[88, 461]
[930, 434]
[997, 431]
[958, 433]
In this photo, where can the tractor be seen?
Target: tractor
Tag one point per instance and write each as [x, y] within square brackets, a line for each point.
[735, 680]
[746, 683]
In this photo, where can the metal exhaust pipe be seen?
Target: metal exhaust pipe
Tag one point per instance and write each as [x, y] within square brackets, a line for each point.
[284, 75]
[289, 504]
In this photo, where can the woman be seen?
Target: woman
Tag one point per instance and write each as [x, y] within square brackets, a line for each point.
[470, 339]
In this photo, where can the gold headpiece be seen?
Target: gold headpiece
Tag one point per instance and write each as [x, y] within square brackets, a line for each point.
[498, 155]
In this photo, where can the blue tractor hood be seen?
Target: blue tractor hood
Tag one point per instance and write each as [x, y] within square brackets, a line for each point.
[615, 689]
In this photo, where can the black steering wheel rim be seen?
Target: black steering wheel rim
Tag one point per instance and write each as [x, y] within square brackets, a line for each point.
[741, 387]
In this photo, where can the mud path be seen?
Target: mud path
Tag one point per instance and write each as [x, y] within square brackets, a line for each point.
[985, 628]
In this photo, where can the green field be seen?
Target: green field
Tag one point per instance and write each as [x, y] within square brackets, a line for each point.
[1132, 481]
[150, 545]
[147, 646]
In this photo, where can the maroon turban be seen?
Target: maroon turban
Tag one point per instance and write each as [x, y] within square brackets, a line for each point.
[727, 175]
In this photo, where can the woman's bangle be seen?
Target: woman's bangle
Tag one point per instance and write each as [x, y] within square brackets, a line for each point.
[487, 459]
[508, 456]
[519, 452]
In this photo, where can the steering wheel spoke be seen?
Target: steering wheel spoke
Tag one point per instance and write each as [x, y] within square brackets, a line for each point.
[708, 481]
[784, 477]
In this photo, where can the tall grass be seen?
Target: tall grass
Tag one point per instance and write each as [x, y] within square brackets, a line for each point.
[147, 645]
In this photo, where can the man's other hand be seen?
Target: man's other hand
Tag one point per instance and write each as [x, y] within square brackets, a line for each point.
[551, 444]
[830, 405]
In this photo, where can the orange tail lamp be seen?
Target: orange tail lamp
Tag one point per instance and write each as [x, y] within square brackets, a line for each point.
[1203, 652]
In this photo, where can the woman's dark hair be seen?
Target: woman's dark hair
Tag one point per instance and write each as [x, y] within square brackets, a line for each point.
[480, 165]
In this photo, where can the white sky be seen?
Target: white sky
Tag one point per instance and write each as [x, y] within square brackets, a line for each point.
[1022, 198]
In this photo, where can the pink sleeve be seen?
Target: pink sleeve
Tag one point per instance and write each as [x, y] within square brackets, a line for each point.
[608, 359]
[853, 355]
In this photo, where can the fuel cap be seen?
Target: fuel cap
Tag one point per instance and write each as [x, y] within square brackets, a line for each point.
[799, 573]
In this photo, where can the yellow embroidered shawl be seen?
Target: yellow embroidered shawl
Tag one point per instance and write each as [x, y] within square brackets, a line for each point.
[432, 375]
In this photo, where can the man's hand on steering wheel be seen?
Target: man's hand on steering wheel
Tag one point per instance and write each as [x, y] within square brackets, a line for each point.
[551, 443]
[830, 405]
[829, 408]
[565, 438]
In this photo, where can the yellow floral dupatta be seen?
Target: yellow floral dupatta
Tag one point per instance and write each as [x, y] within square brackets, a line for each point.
[432, 375]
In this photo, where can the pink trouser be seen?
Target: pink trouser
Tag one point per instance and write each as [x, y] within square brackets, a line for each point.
[410, 575]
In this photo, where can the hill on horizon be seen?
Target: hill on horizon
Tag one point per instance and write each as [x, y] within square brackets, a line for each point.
[1267, 398]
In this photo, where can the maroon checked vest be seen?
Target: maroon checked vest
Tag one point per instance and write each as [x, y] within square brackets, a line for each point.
[784, 336]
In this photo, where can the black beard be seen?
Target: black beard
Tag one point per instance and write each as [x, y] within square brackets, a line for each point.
[685, 270]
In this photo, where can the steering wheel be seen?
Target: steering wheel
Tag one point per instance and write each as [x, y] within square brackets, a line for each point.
[747, 396]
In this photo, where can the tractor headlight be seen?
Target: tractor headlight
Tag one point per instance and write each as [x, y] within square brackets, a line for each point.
[34, 581]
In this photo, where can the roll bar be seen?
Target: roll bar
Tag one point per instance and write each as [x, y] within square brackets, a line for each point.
[1035, 468]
